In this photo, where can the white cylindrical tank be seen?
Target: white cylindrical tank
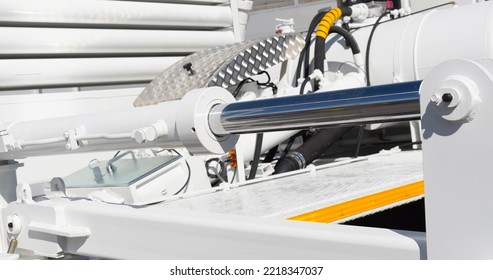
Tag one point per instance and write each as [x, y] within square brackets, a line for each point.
[406, 49]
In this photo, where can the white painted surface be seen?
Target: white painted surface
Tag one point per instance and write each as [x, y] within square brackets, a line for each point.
[119, 13]
[37, 73]
[123, 232]
[42, 41]
[457, 167]
[263, 23]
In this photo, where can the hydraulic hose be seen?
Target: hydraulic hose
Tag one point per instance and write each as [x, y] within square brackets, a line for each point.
[322, 139]
[350, 40]
[305, 53]
[323, 31]
[310, 150]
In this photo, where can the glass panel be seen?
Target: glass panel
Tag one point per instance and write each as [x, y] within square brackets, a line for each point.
[124, 172]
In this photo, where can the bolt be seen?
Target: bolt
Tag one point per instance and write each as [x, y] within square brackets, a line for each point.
[447, 97]
[188, 67]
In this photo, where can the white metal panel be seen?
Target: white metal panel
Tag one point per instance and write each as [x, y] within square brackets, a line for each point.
[119, 231]
[288, 195]
[263, 22]
[39, 41]
[457, 162]
[37, 73]
[75, 12]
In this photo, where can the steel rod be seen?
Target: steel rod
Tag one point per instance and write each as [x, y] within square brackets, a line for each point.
[376, 104]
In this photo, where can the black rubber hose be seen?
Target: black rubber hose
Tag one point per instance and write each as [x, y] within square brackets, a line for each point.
[303, 85]
[320, 47]
[269, 157]
[350, 40]
[319, 53]
[256, 156]
[310, 150]
[367, 57]
[305, 53]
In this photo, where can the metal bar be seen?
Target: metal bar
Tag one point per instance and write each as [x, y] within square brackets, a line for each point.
[38, 73]
[57, 42]
[101, 14]
[377, 104]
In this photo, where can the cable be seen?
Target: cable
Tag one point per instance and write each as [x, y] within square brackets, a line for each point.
[291, 142]
[256, 156]
[234, 175]
[268, 83]
[218, 173]
[367, 57]
[434, 7]
[305, 82]
[189, 173]
[240, 85]
[269, 157]
[360, 137]
[411, 14]
[268, 78]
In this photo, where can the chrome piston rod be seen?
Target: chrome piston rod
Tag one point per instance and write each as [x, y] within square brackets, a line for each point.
[359, 106]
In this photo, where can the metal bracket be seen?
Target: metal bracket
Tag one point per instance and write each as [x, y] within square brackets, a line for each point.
[24, 193]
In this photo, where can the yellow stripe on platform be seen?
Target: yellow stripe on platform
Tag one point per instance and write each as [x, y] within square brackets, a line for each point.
[362, 204]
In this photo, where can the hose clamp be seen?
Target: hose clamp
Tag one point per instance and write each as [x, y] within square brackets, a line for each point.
[299, 158]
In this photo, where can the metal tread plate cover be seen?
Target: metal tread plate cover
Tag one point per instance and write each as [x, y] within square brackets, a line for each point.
[223, 66]
[295, 195]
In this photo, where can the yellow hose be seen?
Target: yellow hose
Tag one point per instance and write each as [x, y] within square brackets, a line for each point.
[329, 18]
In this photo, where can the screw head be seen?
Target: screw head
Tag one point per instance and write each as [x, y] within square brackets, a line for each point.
[447, 97]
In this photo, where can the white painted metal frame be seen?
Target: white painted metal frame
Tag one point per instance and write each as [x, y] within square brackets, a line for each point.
[457, 160]
[114, 231]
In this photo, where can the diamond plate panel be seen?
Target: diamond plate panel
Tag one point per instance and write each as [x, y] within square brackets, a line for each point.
[289, 196]
[221, 66]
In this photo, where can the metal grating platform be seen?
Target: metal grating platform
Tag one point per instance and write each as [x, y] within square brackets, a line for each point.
[324, 186]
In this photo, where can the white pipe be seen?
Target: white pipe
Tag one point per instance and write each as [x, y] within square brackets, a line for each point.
[35, 41]
[93, 132]
[18, 73]
[169, 124]
[90, 12]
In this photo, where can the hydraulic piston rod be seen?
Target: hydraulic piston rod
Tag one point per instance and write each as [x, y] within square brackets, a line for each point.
[376, 104]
